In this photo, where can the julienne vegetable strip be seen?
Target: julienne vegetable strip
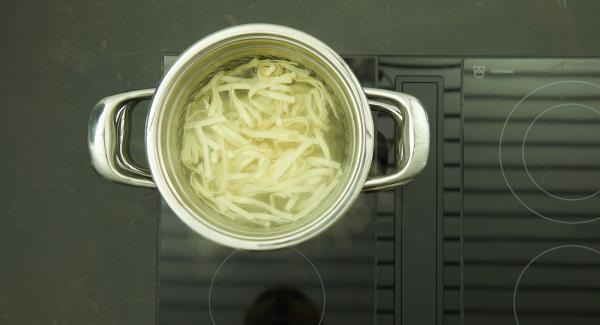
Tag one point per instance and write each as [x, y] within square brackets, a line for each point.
[256, 142]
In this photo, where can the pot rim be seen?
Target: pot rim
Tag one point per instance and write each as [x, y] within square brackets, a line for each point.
[359, 168]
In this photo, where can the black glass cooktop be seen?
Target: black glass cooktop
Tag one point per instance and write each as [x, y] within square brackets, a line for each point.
[501, 227]
[531, 234]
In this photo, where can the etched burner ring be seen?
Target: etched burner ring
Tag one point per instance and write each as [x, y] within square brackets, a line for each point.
[535, 259]
[307, 265]
[503, 132]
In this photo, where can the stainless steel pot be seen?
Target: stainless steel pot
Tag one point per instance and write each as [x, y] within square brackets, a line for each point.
[109, 129]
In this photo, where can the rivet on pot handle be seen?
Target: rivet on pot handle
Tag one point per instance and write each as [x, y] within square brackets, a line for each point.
[108, 136]
[412, 143]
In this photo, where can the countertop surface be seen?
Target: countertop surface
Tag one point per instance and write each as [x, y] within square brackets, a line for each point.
[76, 249]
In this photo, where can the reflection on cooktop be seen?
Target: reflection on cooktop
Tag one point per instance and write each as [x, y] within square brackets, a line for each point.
[282, 306]
[271, 287]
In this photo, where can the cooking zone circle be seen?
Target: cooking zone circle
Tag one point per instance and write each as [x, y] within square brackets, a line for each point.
[559, 283]
[547, 112]
[253, 288]
[558, 174]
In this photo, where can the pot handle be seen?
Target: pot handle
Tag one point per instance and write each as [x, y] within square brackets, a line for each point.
[108, 139]
[412, 142]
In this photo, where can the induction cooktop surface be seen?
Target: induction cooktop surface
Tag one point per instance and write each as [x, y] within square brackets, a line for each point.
[502, 226]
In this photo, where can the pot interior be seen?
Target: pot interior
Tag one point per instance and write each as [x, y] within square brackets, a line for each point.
[195, 67]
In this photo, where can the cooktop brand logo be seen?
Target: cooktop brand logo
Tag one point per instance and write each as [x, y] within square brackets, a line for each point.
[479, 71]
